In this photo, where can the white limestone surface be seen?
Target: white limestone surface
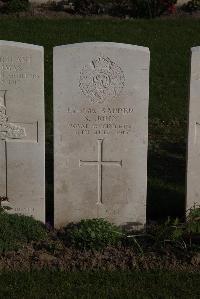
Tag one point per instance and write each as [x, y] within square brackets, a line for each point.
[193, 153]
[101, 96]
[22, 129]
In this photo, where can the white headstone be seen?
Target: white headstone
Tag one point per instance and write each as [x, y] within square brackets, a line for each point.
[22, 136]
[101, 95]
[193, 159]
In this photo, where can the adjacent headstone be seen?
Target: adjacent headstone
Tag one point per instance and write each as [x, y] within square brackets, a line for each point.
[22, 137]
[101, 95]
[193, 159]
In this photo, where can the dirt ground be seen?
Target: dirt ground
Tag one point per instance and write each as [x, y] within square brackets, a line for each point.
[54, 255]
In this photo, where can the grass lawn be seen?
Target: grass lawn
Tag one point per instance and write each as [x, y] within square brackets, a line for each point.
[169, 42]
[118, 285]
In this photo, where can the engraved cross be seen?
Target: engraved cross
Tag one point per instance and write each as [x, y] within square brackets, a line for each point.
[11, 132]
[100, 163]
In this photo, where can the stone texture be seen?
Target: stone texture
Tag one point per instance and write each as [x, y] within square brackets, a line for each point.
[22, 156]
[193, 159]
[101, 94]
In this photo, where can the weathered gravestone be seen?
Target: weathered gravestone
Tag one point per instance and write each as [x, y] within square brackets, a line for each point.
[193, 159]
[101, 94]
[22, 156]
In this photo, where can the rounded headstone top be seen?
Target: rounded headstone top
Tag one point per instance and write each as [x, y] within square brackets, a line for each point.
[20, 45]
[105, 44]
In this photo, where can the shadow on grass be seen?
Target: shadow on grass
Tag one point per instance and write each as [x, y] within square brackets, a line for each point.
[166, 183]
[163, 202]
[49, 186]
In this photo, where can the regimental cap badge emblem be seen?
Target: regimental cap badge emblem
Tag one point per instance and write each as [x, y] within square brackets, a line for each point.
[101, 80]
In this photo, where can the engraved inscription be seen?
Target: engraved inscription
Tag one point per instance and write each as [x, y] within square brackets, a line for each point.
[100, 129]
[14, 69]
[101, 80]
[100, 163]
[100, 120]
[24, 210]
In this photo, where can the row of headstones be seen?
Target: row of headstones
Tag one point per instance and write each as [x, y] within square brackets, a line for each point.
[101, 95]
